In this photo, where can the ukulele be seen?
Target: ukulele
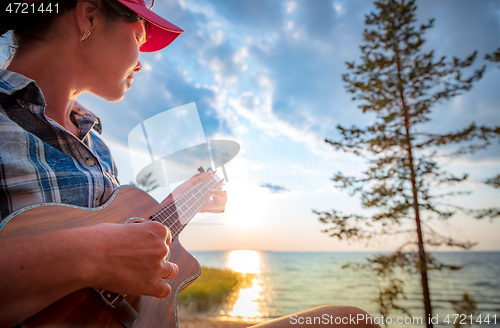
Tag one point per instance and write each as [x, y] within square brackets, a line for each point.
[99, 308]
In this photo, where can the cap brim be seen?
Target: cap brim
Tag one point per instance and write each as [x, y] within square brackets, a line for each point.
[161, 32]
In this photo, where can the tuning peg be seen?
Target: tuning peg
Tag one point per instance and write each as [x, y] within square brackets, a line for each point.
[201, 169]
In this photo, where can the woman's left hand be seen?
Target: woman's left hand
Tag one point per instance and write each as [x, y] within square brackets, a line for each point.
[216, 204]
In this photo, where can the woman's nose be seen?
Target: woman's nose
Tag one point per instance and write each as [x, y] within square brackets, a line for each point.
[138, 67]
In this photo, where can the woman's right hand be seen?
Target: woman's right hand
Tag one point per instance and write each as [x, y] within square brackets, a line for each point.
[130, 258]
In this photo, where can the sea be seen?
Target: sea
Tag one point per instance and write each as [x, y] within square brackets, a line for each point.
[284, 283]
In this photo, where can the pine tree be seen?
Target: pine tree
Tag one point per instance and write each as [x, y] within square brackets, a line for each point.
[495, 58]
[400, 83]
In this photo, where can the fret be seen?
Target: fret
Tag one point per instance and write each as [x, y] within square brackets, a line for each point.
[170, 215]
[178, 213]
[174, 224]
[190, 211]
[175, 227]
[182, 212]
[162, 216]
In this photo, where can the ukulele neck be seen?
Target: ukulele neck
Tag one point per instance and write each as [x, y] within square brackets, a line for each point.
[179, 212]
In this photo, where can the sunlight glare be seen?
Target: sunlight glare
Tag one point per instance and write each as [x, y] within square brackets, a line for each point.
[247, 304]
[244, 261]
[240, 212]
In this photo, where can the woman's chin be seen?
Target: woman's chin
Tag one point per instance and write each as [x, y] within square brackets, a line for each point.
[112, 98]
[116, 99]
[115, 95]
[119, 95]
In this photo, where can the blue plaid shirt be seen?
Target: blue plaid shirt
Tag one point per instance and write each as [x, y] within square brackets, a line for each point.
[40, 161]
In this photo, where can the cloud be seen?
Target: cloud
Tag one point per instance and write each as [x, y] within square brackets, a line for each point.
[227, 62]
[291, 6]
[275, 189]
[276, 66]
[258, 112]
[244, 45]
[253, 17]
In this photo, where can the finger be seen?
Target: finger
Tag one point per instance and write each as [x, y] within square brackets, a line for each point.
[167, 252]
[219, 205]
[201, 176]
[173, 270]
[157, 228]
[168, 238]
[161, 289]
[218, 192]
[215, 206]
[220, 198]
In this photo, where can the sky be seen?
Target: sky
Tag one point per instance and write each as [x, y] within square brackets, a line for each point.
[268, 75]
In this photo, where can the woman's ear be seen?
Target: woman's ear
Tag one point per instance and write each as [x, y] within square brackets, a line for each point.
[87, 14]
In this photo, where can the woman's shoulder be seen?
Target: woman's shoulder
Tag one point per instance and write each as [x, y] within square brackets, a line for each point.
[8, 125]
[20, 100]
[11, 82]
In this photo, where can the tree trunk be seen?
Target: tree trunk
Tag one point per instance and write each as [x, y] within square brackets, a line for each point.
[421, 251]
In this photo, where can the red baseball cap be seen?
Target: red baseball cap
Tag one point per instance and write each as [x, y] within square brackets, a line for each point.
[160, 32]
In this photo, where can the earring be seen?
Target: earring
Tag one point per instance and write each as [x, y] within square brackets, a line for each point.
[85, 35]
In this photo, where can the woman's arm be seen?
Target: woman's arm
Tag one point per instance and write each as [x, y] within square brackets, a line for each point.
[124, 258]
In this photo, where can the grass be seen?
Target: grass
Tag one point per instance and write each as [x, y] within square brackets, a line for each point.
[211, 290]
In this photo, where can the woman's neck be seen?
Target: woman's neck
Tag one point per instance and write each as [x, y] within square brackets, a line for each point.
[56, 78]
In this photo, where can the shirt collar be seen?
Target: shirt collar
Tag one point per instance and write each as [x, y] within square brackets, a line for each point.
[85, 120]
[26, 89]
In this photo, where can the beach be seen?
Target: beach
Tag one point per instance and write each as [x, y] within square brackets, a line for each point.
[195, 320]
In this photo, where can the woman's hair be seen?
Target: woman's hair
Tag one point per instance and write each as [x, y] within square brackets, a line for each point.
[34, 26]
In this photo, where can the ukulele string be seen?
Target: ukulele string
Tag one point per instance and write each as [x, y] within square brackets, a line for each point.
[176, 232]
[171, 206]
[196, 211]
[197, 199]
[161, 213]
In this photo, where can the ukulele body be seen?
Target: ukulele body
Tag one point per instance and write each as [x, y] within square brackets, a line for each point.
[86, 308]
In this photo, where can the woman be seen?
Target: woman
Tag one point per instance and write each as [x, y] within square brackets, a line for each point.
[49, 154]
